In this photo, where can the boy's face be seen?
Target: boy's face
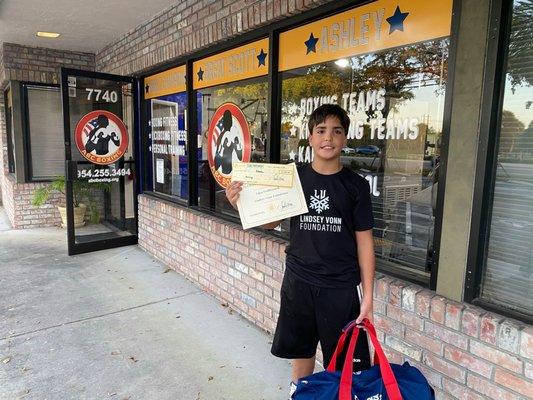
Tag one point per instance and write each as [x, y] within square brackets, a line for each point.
[327, 139]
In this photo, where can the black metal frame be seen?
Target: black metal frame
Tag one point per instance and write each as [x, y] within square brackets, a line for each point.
[78, 248]
[26, 128]
[491, 118]
[272, 31]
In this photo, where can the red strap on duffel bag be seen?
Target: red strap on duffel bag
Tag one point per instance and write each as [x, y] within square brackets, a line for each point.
[345, 390]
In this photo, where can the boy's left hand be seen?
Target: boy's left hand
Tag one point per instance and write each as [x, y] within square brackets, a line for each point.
[366, 311]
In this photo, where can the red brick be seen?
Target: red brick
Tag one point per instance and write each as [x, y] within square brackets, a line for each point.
[408, 297]
[405, 317]
[468, 361]
[393, 356]
[509, 336]
[403, 347]
[427, 343]
[395, 293]
[470, 322]
[460, 391]
[488, 389]
[438, 307]
[446, 335]
[381, 289]
[388, 325]
[497, 357]
[526, 343]
[423, 301]
[434, 378]
[489, 328]
[453, 315]
[448, 369]
[528, 371]
[517, 383]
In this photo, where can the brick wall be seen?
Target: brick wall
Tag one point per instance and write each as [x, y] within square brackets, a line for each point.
[38, 65]
[465, 352]
[189, 26]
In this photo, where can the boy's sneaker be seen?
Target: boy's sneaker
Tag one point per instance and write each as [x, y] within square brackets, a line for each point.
[292, 389]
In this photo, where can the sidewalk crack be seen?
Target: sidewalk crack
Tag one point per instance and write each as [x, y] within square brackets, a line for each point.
[98, 316]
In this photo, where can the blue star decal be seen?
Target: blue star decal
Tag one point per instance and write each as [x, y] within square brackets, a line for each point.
[311, 44]
[262, 58]
[200, 74]
[396, 20]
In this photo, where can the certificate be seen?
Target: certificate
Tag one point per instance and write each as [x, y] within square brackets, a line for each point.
[262, 204]
[264, 174]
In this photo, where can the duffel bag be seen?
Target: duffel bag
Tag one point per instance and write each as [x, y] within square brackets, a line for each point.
[384, 381]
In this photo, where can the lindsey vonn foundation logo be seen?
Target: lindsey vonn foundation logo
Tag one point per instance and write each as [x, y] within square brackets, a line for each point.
[101, 137]
[319, 202]
[228, 141]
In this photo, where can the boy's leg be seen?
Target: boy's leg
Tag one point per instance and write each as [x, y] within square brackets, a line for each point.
[302, 367]
[296, 335]
[335, 308]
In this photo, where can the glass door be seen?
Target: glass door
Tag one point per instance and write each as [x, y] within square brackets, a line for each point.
[100, 176]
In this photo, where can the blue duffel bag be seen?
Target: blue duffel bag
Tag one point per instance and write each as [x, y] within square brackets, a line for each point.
[381, 382]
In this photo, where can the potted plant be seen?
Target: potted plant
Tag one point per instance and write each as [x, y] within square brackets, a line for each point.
[83, 198]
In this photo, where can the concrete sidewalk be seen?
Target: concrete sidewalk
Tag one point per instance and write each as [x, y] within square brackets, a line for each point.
[115, 324]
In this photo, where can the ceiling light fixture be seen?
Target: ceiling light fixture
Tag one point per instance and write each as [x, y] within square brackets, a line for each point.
[52, 35]
[343, 62]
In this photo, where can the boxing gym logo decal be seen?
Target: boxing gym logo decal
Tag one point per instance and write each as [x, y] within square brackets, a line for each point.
[101, 137]
[228, 141]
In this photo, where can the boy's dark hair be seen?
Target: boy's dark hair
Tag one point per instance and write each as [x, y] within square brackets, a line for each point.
[328, 110]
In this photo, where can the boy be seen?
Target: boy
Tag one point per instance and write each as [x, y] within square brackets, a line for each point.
[330, 252]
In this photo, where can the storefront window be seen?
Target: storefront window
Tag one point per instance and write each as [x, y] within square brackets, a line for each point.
[250, 98]
[508, 273]
[166, 106]
[232, 118]
[45, 132]
[9, 129]
[395, 100]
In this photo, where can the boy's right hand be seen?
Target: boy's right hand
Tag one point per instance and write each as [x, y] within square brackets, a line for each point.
[232, 193]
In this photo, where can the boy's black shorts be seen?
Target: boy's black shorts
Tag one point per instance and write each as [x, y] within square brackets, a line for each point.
[311, 314]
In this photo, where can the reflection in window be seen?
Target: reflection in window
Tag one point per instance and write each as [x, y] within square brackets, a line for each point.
[508, 274]
[232, 121]
[168, 144]
[395, 101]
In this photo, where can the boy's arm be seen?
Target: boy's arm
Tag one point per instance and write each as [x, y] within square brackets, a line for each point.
[271, 225]
[367, 266]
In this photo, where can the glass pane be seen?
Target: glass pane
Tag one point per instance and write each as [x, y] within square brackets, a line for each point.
[395, 101]
[508, 275]
[167, 136]
[46, 132]
[9, 131]
[234, 118]
[101, 117]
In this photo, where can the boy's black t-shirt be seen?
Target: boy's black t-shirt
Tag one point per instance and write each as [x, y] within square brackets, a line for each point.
[322, 249]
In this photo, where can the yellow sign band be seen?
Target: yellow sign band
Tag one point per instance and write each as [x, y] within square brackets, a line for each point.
[248, 61]
[380, 25]
[165, 83]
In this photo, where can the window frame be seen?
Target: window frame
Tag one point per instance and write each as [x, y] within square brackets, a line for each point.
[146, 183]
[501, 13]
[272, 31]
[8, 118]
[25, 114]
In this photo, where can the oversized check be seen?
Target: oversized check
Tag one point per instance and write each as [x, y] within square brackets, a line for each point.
[263, 174]
[262, 204]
